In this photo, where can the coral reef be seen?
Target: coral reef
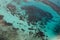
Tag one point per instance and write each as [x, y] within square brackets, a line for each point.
[29, 20]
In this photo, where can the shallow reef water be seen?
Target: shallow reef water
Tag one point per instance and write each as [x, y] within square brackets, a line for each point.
[29, 20]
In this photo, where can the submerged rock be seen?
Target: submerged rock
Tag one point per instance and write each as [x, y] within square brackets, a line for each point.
[36, 14]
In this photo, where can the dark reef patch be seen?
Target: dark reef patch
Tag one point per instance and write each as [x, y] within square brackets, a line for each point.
[15, 29]
[31, 29]
[22, 17]
[23, 30]
[12, 8]
[57, 29]
[2, 38]
[7, 24]
[1, 17]
[41, 35]
[36, 14]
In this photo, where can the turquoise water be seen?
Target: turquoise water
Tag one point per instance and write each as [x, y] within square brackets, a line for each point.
[17, 23]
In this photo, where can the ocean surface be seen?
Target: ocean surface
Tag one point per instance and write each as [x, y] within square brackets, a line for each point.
[29, 19]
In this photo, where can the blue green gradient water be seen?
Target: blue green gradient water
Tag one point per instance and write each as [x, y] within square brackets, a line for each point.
[8, 17]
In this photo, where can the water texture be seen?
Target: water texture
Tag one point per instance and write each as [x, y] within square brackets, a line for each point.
[29, 20]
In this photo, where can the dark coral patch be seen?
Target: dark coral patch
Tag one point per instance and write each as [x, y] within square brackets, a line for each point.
[57, 29]
[12, 8]
[1, 17]
[40, 34]
[7, 24]
[36, 14]
[23, 30]
[2, 38]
